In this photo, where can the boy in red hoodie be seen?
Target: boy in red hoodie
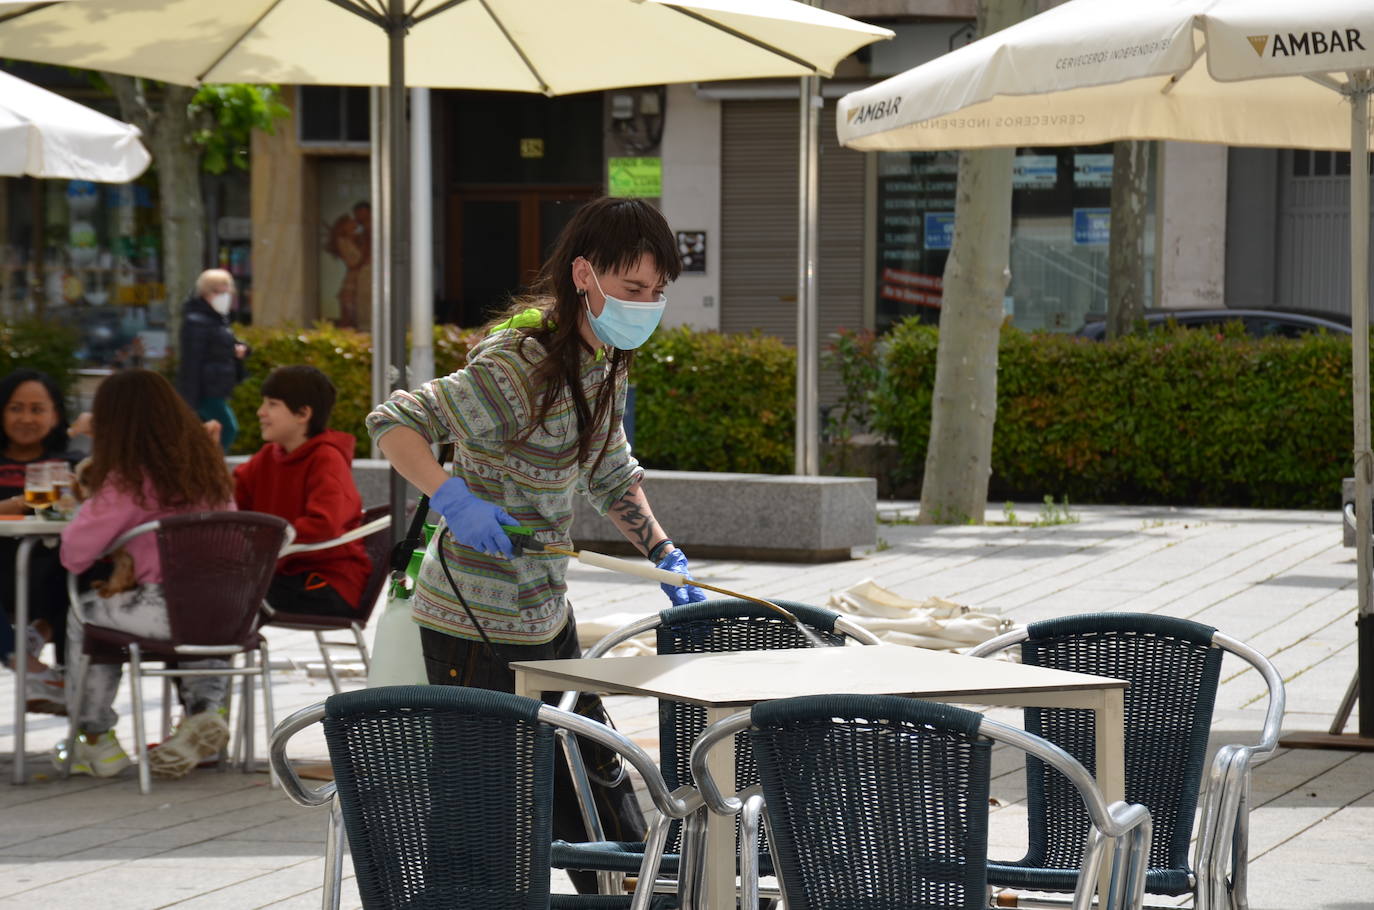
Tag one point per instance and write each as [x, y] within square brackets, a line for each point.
[303, 474]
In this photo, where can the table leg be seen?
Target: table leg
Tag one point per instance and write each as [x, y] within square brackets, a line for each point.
[1110, 720]
[718, 888]
[21, 651]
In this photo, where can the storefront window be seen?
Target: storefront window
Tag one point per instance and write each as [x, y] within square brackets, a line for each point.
[915, 230]
[1061, 219]
[86, 255]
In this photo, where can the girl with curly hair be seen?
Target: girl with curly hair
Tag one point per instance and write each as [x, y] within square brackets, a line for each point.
[150, 458]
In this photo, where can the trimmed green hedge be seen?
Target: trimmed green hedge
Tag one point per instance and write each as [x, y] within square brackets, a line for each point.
[711, 402]
[690, 413]
[1171, 416]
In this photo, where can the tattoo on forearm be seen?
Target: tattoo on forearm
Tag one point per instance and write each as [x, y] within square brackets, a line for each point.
[635, 519]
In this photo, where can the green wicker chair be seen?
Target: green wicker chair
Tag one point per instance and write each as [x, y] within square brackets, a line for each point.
[881, 801]
[446, 794]
[1173, 666]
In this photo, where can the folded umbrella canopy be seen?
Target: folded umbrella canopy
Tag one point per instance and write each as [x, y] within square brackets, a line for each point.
[43, 134]
[1240, 72]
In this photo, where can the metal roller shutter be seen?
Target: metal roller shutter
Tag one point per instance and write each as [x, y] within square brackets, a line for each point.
[758, 285]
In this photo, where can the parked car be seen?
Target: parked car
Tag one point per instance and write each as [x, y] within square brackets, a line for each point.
[1258, 323]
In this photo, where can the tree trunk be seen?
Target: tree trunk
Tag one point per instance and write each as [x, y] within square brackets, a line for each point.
[167, 127]
[1126, 256]
[964, 410]
[963, 413]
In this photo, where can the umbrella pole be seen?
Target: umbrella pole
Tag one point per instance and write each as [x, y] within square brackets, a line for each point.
[807, 451]
[1362, 686]
[421, 241]
[1364, 460]
[381, 253]
[398, 228]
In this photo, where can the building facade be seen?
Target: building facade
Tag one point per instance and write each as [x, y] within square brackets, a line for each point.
[1235, 227]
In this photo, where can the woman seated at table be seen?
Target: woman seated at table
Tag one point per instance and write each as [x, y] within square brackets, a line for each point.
[34, 429]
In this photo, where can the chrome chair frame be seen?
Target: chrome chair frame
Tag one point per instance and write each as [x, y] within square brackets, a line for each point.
[1127, 825]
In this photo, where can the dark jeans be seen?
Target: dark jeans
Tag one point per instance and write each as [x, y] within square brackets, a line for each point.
[47, 591]
[453, 661]
[307, 593]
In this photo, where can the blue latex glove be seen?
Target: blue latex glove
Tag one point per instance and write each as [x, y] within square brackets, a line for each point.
[676, 561]
[473, 522]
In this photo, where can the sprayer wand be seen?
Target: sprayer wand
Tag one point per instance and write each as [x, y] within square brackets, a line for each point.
[523, 540]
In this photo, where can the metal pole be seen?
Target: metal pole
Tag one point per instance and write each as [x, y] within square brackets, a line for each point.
[22, 553]
[381, 251]
[808, 347]
[1359, 321]
[422, 240]
[398, 236]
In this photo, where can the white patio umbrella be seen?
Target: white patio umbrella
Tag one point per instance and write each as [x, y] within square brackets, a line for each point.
[43, 134]
[1273, 73]
[547, 46]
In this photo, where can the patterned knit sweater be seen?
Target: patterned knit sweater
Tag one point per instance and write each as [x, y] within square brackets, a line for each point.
[485, 408]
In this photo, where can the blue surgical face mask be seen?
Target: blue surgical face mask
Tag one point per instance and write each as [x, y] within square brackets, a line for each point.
[625, 324]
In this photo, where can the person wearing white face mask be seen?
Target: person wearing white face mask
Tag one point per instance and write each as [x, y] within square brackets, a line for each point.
[535, 418]
[209, 357]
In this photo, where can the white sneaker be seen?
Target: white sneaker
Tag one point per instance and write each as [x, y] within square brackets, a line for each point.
[103, 757]
[195, 739]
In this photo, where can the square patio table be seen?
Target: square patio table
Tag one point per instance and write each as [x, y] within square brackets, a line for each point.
[724, 683]
[29, 531]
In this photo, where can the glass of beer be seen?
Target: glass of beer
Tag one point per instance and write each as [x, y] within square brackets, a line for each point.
[63, 485]
[38, 489]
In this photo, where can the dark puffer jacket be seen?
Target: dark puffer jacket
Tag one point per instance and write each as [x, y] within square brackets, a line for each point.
[207, 367]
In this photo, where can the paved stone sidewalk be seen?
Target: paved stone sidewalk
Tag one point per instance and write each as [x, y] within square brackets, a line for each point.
[1280, 580]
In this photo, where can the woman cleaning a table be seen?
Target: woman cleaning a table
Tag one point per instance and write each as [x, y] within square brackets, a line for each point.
[535, 417]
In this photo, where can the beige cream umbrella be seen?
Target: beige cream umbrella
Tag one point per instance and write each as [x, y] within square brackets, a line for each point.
[549, 46]
[1285, 73]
